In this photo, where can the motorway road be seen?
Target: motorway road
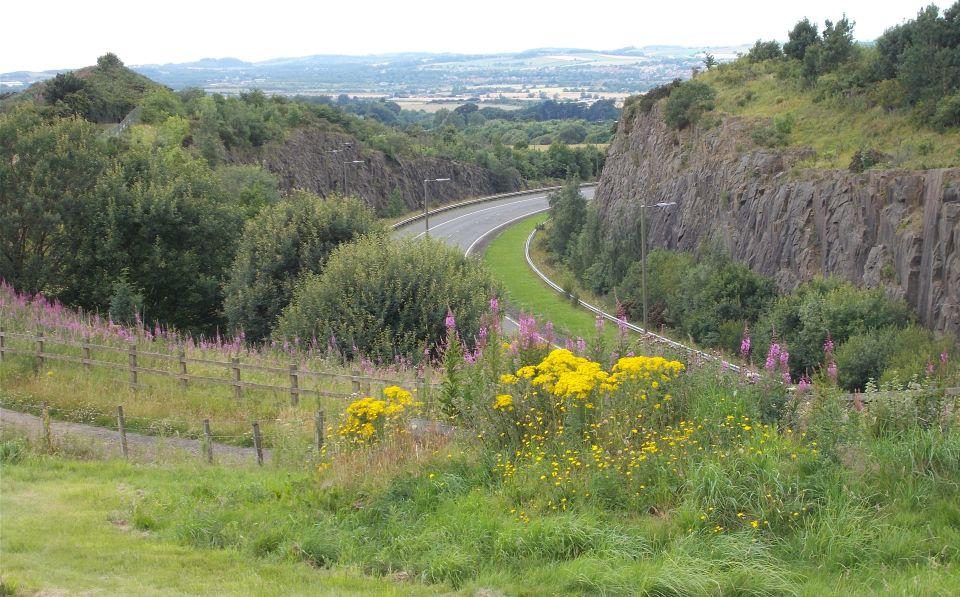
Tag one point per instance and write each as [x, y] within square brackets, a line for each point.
[472, 226]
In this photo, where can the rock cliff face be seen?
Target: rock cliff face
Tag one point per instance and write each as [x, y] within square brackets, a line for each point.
[893, 228]
[304, 160]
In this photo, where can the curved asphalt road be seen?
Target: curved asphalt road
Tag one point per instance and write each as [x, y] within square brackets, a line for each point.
[471, 226]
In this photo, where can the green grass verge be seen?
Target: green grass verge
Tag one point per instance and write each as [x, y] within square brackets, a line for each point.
[530, 294]
[66, 529]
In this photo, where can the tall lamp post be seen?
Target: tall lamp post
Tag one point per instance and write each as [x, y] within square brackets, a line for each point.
[345, 164]
[426, 203]
[643, 254]
[343, 148]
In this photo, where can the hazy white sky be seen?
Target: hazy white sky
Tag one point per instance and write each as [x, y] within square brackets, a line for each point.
[50, 34]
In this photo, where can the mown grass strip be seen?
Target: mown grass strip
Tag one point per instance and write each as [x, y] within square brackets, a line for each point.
[527, 292]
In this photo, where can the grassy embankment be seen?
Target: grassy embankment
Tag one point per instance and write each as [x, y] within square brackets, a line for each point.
[834, 128]
[161, 406]
[707, 500]
[527, 293]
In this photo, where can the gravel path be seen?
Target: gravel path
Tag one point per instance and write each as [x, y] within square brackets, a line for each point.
[145, 448]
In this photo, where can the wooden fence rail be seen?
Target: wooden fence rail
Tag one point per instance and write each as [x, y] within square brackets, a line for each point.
[234, 367]
[359, 383]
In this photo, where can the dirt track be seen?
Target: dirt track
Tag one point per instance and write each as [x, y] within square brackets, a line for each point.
[143, 448]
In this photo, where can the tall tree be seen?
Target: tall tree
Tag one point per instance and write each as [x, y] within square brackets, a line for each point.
[48, 173]
[803, 35]
[569, 210]
[837, 44]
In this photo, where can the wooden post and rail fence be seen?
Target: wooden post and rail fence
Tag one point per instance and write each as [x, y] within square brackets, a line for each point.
[234, 367]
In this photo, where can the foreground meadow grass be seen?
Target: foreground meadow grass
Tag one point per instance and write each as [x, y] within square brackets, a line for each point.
[66, 529]
[694, 490]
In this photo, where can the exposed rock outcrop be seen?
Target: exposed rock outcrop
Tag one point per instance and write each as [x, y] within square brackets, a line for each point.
[898, 229]
[305, 160]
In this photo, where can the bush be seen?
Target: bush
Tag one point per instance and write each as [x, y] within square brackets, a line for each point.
[687, 103]
[390, 298]
[864, 357]
[865, 158]
[282, 244]
[126, 303]
[803, 319]
[764, 50]
[948, 112]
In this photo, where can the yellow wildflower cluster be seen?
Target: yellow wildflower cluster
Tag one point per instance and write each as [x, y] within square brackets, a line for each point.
[503, 401]
[652, 370]
[567, 375]
[366, 419]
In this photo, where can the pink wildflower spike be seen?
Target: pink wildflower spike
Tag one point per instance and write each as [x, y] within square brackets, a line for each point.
[450, 322]
[944, 357]
[772, 356]
[581, 346]
[784, 358]
[599, 324]
[828, 345]
[745, 344]
[548, 332]
[832, 370]
[495, 305]
[804, 384]
[785, 376]
[929, 370]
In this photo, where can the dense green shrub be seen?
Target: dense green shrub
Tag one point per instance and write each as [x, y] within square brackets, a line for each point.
[687, 103]
[390, 298]
[803, 319]
[280, 245]
[863, 357]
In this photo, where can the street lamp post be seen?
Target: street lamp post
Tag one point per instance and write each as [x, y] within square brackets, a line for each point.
[343, 148]
[643, 254]
[345, 174]
[426, 203]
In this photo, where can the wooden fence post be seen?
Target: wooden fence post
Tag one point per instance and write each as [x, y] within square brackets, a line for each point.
[237, 388]
[294, 385]
[182, 356]
[45, 420]
[85, 352]
[121, 427]
[355, 381]
[421, 387]
[39, 361]
[318, 424]
[132, 358]
[208, 441]
[3, 342]
[257, 442]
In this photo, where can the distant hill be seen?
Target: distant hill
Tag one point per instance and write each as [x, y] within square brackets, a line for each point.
[631, 70]
[103, 93]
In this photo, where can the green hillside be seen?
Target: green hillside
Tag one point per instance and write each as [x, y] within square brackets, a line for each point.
[103, 93]
[893, 103]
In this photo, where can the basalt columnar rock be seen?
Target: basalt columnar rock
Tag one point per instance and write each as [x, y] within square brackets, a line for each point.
[313, 160]
[899, 229]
